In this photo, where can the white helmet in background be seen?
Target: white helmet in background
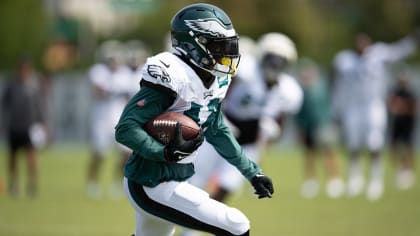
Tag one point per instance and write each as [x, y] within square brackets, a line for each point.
[110, 52]
[135, 53]
[276, 52]
[277, 44]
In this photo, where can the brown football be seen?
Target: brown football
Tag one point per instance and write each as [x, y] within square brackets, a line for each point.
[162, 127]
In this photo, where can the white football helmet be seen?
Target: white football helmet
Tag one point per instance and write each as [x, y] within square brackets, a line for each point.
[136, 53]
[110, 52]
[276, 52]
[278, 44]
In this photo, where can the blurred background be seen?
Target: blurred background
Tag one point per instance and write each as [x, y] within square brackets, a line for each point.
[61, 36]
[62, 40]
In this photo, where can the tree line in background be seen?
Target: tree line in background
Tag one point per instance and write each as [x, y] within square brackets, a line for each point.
[319, 27]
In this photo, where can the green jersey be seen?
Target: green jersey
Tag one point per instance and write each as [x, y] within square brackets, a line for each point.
[168, 84]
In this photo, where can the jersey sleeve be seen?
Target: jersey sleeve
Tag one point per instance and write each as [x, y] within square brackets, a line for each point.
[395, 51]
[159, 71]
[219, 135]
[147, 103]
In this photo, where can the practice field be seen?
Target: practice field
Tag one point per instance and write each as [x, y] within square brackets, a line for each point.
[63, 209]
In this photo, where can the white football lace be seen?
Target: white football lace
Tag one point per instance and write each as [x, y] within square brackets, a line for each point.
[167, 123]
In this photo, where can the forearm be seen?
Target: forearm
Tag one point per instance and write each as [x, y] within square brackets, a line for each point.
[131, 135]
[141, 108]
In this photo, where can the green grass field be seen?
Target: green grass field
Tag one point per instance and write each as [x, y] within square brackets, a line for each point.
[62, 207]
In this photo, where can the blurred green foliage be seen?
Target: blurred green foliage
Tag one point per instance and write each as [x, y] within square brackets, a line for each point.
[24, 30]
[319, 27]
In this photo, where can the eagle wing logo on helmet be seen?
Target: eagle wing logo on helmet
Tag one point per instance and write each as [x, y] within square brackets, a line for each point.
[210, 26]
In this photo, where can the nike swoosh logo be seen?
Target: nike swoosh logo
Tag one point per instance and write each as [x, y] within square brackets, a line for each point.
[182, 155]
[166, 65]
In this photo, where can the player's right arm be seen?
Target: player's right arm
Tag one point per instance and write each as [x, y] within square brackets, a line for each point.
[146, 104]
[398, 50]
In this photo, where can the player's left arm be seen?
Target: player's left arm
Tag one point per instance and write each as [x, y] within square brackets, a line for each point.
[220, 136]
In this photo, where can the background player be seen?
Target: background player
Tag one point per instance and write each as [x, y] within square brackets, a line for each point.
[112, 86]
[402, 105]
[135, 53]
[23, 118]
[317, 133]
[359, 103]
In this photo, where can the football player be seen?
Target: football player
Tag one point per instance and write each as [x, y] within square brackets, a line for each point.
[261, 97]
[317, 132]
[359, 104]
[111, 88]
[402, 105]
[21, 110]
[193, 80]
[135, 53]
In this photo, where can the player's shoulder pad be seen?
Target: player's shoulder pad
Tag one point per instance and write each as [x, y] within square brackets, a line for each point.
[344, 57]
[165, 69]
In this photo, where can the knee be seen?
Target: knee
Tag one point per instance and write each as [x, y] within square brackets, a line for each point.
[245, 234]
[237, 222]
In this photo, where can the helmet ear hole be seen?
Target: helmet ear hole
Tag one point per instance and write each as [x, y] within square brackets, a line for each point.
[205, 61]
[174, 42]
[202, 39]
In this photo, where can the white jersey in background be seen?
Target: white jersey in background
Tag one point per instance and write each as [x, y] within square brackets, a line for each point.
[249, 99]
[359, 103]
[360, 89]
[117, 88]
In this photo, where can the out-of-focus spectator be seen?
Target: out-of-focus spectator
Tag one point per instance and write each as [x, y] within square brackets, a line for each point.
[402, 106]
[317, 132]
[360, 104]
[112, 86]
[23, 121]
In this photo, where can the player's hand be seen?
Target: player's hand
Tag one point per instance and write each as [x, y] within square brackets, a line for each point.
[180, 148]
[269, 129]
[262, 185]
